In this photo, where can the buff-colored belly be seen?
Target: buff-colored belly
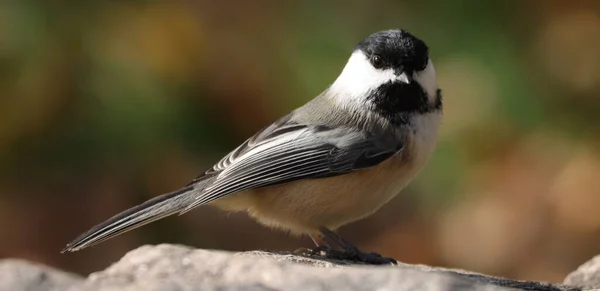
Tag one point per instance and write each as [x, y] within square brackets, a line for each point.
[303, 206]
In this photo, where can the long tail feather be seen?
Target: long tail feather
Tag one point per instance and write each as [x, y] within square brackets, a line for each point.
[149, 211]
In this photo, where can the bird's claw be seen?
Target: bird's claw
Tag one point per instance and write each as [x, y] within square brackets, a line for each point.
[352, 254]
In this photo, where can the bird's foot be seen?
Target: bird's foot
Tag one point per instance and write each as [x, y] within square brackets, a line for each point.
[349, 251]
[352, 254]
[303, 251]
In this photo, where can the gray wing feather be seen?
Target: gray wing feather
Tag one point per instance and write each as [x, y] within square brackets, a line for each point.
[289, 151]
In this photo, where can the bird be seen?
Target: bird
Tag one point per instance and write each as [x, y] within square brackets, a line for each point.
[332, 161]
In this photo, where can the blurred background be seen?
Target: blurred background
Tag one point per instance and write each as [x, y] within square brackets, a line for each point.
[105, 104]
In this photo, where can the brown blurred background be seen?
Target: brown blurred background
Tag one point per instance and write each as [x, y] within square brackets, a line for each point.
[104, 104]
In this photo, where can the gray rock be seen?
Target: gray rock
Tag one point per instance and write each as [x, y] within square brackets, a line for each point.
[17, 275]
[178, 268]
[587, 275]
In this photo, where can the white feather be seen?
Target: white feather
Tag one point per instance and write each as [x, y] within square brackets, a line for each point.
[357, 78]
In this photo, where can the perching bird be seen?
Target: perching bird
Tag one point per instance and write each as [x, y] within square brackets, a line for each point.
[335, 160]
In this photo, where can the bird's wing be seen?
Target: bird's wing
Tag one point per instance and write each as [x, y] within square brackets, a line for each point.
[288, 151]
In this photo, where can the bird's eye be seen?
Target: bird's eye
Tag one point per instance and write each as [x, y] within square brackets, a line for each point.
[377, 61]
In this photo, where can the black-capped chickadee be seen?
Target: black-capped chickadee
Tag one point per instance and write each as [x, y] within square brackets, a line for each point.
[335, 160]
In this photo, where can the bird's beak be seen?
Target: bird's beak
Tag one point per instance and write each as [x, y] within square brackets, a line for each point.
[404, 78]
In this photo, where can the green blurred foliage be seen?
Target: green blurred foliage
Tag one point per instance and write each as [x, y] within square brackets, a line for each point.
[104, 104]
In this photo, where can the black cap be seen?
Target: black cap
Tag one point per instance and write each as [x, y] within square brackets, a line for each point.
[397, 49]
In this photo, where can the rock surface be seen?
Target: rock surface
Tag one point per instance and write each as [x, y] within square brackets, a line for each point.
[587, 275]
[178, 268]
[17, 275]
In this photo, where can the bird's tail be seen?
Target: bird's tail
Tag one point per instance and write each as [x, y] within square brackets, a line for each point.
[149, 211]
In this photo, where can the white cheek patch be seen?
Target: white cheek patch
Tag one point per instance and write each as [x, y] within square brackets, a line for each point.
[428, 81]
[358, 78]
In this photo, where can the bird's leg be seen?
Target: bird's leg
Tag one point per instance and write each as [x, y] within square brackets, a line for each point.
[321, 247]
[349, 251]
[317, 240]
